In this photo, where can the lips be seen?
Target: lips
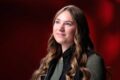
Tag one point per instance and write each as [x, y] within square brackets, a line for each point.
[60, 34]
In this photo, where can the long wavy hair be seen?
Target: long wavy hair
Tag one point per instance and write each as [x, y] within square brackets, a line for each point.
[82, 43]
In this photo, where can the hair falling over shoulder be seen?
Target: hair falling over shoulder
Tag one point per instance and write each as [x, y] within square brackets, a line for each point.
[44, 65]
[82, 43]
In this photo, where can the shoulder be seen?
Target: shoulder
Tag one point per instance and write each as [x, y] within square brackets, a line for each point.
[95, 60]
[96, 66]
[95, 57]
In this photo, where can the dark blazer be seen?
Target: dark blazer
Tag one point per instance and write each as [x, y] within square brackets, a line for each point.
[95, 65]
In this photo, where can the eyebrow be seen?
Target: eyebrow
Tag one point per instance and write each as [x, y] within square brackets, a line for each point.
[65, 21]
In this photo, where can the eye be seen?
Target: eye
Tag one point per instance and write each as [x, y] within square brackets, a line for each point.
[68, 23]
[57, 22]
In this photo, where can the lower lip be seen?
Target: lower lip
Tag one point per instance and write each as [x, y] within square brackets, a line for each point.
[60, 34]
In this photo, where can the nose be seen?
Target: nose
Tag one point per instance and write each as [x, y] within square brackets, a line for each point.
[62, 27]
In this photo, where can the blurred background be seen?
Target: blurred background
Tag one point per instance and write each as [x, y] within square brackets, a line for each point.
[25, 26]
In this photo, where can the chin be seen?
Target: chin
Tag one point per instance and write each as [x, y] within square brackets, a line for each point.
[60, 41]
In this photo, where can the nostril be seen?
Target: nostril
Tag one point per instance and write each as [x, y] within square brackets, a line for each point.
[62, 29]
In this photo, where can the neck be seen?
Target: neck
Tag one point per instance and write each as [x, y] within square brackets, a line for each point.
[65, 47]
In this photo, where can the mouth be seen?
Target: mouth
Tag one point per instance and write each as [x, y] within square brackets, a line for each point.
[60, 34]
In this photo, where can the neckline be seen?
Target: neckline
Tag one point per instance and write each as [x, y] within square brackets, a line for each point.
[69, 51]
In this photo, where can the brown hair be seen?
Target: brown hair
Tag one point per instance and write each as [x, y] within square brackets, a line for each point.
[82, 45]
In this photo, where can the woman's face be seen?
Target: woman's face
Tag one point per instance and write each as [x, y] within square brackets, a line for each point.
[64, 28]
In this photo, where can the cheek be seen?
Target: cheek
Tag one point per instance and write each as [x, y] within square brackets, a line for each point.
[54, 30]
[54, 27]
[71, 32]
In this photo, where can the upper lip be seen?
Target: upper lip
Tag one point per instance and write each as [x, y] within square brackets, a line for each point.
[60, 33]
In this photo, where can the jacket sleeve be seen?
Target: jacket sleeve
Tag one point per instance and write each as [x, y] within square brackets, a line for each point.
[96, 66]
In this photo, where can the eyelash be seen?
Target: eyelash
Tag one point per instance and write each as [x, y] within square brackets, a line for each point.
[57, 22]
[66, 23]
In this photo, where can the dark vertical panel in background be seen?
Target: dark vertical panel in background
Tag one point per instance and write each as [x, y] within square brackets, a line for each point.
[25, 27]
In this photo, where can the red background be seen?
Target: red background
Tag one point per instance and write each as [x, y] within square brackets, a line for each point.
[25, 27]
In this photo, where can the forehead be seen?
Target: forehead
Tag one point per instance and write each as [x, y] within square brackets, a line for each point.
[65, 15]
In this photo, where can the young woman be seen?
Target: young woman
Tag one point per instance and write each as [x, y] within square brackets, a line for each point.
[70, 50]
